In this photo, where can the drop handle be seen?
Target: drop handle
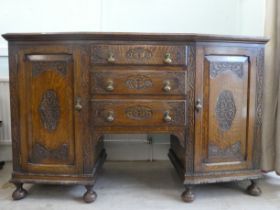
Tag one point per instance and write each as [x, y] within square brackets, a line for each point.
[109, 85]
[110, 116]
[198, 105]
[166, 86]
[111, 58]
[78, 105]
[167, 117]
[167, 58]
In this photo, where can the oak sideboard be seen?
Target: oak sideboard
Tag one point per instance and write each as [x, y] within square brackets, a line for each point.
[69, 89]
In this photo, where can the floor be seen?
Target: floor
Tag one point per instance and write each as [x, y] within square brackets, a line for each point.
[141, 186]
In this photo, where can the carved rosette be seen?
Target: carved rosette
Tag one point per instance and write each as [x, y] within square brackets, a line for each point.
[139, 53]
[138, 82]
[40, 153]
[41, 66]
[49, 110]
[219, 67]
[225, 110]
[139, 112]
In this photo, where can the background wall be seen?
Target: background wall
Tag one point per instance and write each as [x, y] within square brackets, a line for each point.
[233, 17]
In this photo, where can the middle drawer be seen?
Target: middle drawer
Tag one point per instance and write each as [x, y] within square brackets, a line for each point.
[138, 82]
[138, 112]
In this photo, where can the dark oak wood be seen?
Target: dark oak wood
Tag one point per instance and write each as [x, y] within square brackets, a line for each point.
[69, 89]
[173, 37]
[138, 82]
[138, 54]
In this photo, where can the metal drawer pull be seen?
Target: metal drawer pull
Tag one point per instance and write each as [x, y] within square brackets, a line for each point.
[167, 117]
[167, 58]
[166, 86]
[110, 116]
[78, 105]
[198, 105]
[111, 58]
[109, 85]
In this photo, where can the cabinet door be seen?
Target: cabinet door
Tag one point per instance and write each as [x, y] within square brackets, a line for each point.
[225, 87]
[47, 118]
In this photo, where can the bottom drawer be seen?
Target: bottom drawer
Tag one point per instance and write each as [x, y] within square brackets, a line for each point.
[138, 112]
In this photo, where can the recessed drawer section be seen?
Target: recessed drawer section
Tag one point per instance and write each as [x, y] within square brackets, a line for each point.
[138, 82]
[139, 54]
[138, 112]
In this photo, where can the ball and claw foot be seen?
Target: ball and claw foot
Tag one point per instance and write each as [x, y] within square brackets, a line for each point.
[188, 195]
[254, 189]
[90, 195]
[20, 192]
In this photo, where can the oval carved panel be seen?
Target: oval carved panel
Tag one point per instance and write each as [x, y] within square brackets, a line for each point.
[225, 110]
[138, 82]
[139, 112]
[49, 110]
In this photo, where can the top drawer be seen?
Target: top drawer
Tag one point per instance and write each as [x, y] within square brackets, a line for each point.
[139, 54]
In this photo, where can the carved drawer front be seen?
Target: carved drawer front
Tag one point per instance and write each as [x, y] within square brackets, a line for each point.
[138, 113]
[140, 82]
[139, 54]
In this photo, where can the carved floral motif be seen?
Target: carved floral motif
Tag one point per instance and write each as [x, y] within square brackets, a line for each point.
[139, 112]
[49, 110]
[190, 110]
[219, 67]
[232, 150]
[40, 153]
[139, 53]
[225, 110]
[138, 82]
[41, 66]
[259, 106]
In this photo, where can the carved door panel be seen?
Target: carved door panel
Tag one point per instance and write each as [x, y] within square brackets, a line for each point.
[46, 113]
[225, 122]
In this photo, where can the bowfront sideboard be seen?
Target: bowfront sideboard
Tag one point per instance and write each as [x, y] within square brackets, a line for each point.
[69, 89]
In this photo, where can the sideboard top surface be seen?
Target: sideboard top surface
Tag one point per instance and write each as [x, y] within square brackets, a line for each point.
[121, 36]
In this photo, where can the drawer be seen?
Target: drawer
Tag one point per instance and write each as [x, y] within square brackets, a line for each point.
[138, 112]
[139, 54]
[138, 82]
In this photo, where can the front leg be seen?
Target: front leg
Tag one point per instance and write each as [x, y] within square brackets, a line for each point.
[188, 195]
[20, 192]
[254, 189]
[90, 195]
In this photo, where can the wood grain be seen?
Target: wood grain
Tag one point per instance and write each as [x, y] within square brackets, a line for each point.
[69, 89]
